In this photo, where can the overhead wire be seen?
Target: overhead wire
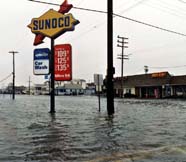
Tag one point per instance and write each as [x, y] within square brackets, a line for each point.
[20, 42]
[171, 7]
[2, 80]
[120, 16]
[172, 45]
[96, 26]
[163, 10]
[150, 25]
[174, 6]
[167, 67]
[159, 5]
[182, 1]
[79, 8]
[88, 29]
[80, 2]
[133, 6]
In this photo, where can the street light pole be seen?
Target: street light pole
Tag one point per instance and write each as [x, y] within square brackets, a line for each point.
[13, 73]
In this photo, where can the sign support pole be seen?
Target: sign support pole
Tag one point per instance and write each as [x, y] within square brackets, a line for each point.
[110, 68]
[52, 82]
[68, 24]
[99, 94]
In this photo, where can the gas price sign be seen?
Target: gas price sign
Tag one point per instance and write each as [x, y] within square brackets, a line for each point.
[63, 62]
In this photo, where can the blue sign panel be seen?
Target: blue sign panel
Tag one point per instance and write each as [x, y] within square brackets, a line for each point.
[41, 61]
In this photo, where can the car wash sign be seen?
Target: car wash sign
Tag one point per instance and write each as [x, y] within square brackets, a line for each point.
[41, 61]
[52, 24]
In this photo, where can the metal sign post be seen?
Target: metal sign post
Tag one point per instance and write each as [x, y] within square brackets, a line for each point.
[99, 101]
[98, 81]
[52, 82]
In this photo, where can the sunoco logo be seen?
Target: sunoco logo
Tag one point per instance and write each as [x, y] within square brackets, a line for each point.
[41, 55]
[52, 24]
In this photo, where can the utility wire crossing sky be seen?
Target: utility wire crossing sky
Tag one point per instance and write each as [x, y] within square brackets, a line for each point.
[156, 32]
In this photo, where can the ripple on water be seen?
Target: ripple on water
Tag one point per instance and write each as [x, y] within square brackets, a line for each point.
[141, 131]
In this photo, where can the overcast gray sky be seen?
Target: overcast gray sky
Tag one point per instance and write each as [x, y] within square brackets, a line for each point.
[149, 46]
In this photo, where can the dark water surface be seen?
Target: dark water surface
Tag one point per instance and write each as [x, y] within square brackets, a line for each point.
[141, 130]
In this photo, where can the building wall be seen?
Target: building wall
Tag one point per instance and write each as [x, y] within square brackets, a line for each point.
[130, 90]
[153, 85]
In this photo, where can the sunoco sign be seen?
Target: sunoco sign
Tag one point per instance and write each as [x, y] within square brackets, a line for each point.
[52, 24]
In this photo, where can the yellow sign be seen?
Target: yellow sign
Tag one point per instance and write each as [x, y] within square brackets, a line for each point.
[159, 75]
[52, 24]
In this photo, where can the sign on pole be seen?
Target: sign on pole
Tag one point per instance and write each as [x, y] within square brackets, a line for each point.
[41, 61]
[52, 24]
[98, 79]
[63, 62]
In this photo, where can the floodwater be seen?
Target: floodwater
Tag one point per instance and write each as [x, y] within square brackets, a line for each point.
[140, 131]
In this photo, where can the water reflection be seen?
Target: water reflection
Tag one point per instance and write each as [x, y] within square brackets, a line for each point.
[51, 143]
[140, 131]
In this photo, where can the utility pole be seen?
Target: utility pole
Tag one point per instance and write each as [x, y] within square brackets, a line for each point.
[13, 73]
[121, 43]
[110, 68]
[29, 81]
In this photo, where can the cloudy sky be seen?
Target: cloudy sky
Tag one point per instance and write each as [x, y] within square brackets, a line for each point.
[160, 50]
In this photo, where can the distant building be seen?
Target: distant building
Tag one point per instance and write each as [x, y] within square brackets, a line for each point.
[152, 85]
[74, 87]
[70, 89]
[90, 89]
[81, 82]
[18, 89]
[41, 89]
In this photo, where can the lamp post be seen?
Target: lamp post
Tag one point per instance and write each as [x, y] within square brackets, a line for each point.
[13, 73]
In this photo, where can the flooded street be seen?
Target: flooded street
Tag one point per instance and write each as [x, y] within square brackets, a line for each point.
[140, 131]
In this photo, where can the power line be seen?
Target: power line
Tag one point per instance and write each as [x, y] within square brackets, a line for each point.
[150, 25]
[158, 47]
[173, 6]
[79, 8]
[168, 67]
[101, 23]
[81, 2]
[2, 80]
[164, 10]
[182, 1]
[127, 18]
[133, 6]
[170, 10]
